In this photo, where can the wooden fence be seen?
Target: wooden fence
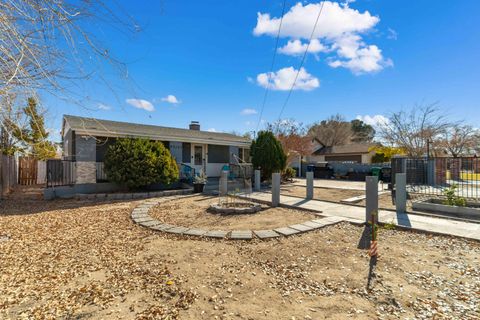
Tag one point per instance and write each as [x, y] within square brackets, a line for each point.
[8, 173]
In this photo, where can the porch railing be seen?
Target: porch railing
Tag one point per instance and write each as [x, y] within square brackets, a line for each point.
[242, 170]
[100, 172]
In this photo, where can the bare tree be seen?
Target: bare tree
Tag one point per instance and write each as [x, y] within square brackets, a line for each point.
[459, 140]
[332, 132]
[51, 47]
[43, 43]
[293, 137]
[414, 129]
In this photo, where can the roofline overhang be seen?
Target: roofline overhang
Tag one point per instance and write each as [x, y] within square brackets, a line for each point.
[99, 133]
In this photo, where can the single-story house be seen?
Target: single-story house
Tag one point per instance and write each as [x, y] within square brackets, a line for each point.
[355, 152]
[85, 141]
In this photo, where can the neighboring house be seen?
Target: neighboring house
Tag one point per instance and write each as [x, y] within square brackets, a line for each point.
[355, 152]
[85, 140]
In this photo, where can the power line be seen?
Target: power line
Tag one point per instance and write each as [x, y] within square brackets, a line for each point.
[271, 67]
[301, 64]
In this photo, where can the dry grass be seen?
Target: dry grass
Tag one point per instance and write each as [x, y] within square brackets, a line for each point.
[70, 259]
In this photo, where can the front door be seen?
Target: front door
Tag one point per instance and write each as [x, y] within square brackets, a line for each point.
[198, 158]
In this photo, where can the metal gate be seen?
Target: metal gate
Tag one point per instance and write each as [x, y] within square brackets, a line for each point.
[27, 171]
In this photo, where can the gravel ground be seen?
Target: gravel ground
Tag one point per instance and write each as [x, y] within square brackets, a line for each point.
[335, 195]
[73, 259]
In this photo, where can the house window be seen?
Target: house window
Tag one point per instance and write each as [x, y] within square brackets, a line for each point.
[244, 154]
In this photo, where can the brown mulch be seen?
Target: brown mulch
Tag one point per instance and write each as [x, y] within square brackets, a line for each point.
[71, 259]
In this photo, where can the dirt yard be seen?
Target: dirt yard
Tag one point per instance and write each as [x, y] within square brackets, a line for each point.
[192, 212]
[336, 195]
[83, 260]
[328, 194]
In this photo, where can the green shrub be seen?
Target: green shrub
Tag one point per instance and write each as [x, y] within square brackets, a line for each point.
[267, 154]
[139, 162]
[288, 174]
[452, 199]
[379, 157]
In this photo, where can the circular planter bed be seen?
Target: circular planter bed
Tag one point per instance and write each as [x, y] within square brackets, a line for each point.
[235, 208]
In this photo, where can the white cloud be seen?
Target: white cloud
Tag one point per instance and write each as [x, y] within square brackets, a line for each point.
[105, 107]
[212, 130]
[338, 33]
[170, 99]
[375, 120]
[296, 47]
[248, 112]
[359, 59]
[283, 80]
[335, 20]
[141, 104]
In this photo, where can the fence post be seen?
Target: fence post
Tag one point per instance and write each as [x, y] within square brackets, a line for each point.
[223, 183]
[431, 172]
[257, 180]
[371, 192]
[309, 185]
[275, 189]
[401, 192]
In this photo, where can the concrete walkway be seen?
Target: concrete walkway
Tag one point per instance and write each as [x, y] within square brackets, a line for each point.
[357, 214]
[337, 184]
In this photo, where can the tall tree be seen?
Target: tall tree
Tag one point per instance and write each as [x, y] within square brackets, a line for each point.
[293, 138]
[267, 154]
[52, 47]
[413, 130]
[459, 139]
[332, 132]
[361, 131]
[30, 137]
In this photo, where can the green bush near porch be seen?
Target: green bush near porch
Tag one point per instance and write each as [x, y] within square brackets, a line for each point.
[140, 162]
[267, 154]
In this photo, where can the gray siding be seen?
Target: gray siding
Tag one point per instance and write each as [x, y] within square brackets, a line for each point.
[85, 148]
[186, 152]
[102, 145]
[68, 144]
[176, 150]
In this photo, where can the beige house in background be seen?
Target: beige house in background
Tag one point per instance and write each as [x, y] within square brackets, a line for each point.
[355, 152]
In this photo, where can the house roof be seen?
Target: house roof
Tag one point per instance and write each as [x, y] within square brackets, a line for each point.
[108, 128]
[354, 148]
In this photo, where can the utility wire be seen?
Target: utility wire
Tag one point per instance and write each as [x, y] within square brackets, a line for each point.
[301, 65]
[271, 67]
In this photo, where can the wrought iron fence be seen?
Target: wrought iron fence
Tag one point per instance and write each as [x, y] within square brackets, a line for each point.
[100, 172]
[60, 173]
[434, 176]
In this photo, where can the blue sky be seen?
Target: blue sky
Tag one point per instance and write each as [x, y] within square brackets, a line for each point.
[368, 58]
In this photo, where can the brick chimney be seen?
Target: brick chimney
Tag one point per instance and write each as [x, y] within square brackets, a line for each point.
[194, 125]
